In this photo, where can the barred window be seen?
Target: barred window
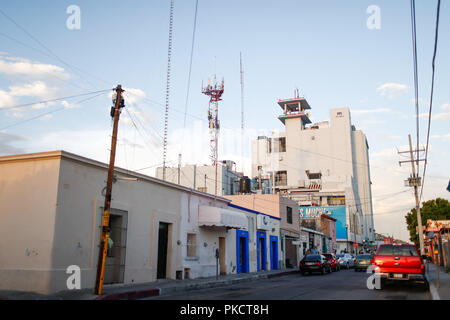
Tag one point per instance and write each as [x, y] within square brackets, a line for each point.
[191, 245]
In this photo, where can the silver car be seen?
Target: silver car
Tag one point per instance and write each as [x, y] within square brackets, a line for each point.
[346, 260]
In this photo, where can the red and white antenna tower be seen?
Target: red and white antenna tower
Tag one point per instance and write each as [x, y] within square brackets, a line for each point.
[214, 92]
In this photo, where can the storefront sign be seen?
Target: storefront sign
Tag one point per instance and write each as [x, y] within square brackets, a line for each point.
[336, 212]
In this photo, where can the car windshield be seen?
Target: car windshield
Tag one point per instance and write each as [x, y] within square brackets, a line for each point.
[340, 255]
[405, 251]
[312, 257]
[327, 255]
[364, 257]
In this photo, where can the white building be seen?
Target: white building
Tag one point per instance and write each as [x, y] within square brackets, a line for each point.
[51, 212]
[203, 178]
[324, 164]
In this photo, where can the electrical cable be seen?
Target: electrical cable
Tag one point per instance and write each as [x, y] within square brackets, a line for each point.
[50, 112]
[431, 95]
[53, 100]
[416, 77]
[189, 73]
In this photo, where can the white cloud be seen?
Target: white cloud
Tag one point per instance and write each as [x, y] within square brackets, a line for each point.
[46, 117]
[446, 107]
[7, 142]
[37, 89]
[369, 111]
[392, 89]
[132, 95]
[6, 99]
[14, 66]
[422, 115]
[68, 105]
[442, 116]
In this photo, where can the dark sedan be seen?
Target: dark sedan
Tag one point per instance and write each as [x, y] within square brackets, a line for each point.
[314, 263]
[363, 262]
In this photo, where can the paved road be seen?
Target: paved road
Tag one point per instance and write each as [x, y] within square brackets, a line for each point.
[345, 284]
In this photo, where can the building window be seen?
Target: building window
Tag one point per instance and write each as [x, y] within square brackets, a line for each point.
[281, 178]
[277, 145]
[339, 114]
[336, 201]
[289, 215]
[191, 245]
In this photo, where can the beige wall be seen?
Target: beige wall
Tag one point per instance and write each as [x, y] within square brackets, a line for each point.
[59, 223]
[271, 204]
[28, 202]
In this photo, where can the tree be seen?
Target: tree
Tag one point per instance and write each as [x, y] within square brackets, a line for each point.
[437, 209]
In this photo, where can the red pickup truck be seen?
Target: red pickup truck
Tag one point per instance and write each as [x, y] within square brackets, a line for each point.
[399, 262]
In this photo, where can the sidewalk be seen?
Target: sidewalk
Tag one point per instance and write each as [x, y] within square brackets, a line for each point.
[443, 291]
[138, 291]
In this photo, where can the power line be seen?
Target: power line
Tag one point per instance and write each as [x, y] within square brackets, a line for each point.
[137, 129]
[416, 77]
[300, 149]
[53, 100]
[190, 70]
[431, 94]
[46, 54]
[73, 68]
[46, 113]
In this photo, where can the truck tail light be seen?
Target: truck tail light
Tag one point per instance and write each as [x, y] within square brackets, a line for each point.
[318, 263]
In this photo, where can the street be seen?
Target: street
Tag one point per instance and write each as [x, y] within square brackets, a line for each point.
[344, 285]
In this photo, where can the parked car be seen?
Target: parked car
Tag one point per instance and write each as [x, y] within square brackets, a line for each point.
[363, 262]
[399, 263]
[335, 266]
[346, 260]
[314, 263]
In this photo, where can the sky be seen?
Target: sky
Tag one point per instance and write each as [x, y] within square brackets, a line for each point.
[325, 49]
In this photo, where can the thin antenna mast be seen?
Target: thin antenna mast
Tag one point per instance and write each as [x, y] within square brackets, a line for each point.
[166, 116]
[242, 113]
[214, 91]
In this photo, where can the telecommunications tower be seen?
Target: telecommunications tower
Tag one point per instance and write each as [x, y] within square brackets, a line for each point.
[214, 91]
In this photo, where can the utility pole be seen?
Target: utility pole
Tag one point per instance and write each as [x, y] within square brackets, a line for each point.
[414, 181]
[119, 103]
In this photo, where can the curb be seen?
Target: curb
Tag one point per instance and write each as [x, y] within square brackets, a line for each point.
[138, 294]
[216, 284]
[433, 290]
[131, 295]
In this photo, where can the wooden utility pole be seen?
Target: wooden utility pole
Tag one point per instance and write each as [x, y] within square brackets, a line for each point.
[115, 112]
[414, 181]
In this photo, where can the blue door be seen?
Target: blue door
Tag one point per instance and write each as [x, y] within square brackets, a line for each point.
[274, 252]
[242, 251]
[261, 241]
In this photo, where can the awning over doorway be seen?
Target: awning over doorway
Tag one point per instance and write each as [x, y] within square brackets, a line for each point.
[220, 217]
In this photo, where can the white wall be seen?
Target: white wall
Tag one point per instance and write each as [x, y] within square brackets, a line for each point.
[59, 223]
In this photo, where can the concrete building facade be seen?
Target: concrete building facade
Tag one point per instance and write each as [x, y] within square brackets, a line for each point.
[203, 178]
[287, 211]
[321, 164]
[51, 216]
